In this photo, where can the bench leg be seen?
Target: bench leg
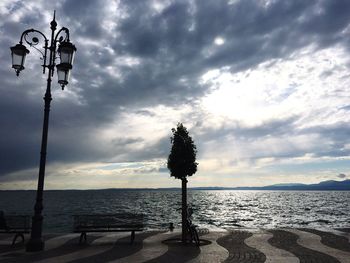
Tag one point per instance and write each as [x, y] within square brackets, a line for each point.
[132, 237]
[82, 236]
[15, 238]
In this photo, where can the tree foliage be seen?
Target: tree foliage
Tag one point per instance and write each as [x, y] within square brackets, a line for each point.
[182, 157]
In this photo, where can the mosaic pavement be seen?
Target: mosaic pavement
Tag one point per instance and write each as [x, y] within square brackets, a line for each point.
[236, 246]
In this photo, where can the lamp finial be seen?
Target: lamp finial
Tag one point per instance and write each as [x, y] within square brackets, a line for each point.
[53, 22]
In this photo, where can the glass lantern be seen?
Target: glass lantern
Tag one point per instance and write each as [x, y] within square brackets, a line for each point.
[67, 51]
[18, 54]
[63, 72]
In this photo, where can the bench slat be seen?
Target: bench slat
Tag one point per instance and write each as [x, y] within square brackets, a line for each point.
[123, 222]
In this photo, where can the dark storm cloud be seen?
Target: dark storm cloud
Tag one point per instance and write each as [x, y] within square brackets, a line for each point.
[341, 176]
[173, 48]
[334, 138]
[157, 150]
[85, 16]
[271, 128]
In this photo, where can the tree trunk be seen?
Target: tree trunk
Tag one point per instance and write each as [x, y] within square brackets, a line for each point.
[184, 209]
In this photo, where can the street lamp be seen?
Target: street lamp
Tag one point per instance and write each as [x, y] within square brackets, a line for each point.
[66, 52]
[19, 53]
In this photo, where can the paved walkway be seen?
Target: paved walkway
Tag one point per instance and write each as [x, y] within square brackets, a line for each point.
[236, 246]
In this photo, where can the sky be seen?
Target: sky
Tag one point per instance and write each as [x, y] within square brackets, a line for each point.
[261, 85]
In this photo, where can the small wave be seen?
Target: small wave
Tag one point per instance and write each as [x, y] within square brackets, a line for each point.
[263, 207]
[236, 225]
[232, 221]
[322, 221]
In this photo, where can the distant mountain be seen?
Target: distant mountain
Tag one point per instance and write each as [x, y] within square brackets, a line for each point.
[287, 185]
[322, 186]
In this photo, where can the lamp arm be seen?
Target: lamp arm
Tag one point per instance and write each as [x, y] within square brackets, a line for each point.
[66, 30]
[35, 41]
[26, 32]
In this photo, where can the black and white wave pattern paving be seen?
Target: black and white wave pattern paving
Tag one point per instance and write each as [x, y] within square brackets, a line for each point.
[287, 245]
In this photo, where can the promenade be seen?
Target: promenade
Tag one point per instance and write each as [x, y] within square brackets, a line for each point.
[239, 245]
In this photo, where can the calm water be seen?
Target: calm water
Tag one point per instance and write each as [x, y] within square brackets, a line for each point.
[212, 209]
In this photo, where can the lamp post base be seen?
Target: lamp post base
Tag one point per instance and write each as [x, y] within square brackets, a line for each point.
[34, 245]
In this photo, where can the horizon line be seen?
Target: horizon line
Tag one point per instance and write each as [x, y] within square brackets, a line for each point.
[244, 188]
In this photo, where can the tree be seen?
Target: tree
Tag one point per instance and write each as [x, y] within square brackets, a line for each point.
[182, 163]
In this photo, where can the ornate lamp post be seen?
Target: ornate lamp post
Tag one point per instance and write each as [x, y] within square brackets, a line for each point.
[66, 52]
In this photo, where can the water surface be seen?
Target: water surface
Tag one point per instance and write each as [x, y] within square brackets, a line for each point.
[212, 209]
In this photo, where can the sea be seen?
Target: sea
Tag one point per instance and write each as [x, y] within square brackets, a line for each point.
[219, 209]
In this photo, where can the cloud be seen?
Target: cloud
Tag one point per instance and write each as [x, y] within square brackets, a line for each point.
[341, 176]
[273, 89]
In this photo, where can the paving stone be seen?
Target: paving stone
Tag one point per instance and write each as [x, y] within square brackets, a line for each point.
[237, 246]
[288, 241]
[313, 241]
[331, 240]
[239, 252]
[259, 241]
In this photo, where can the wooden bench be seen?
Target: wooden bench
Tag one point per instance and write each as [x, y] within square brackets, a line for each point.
[15, 224]
[123, 222]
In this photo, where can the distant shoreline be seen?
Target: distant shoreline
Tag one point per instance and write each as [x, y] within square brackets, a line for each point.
[322, 186]
[188, 189]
